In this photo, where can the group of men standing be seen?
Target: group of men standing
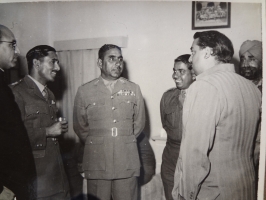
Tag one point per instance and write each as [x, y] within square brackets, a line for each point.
[212, 148]
[211, 119]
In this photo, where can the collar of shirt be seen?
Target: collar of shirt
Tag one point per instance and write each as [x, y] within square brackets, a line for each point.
[107, 82]
[39, 85]
[219, 67]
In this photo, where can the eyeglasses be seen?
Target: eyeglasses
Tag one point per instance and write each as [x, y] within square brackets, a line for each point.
[13, 43]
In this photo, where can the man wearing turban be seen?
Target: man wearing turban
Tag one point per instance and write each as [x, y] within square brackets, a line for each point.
[250, 54]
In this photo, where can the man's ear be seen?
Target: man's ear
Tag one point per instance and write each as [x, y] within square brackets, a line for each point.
[36, 64]
[100, 63]
[208, 52]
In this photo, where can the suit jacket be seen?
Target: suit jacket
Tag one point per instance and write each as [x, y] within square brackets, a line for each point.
[108, 123]
[17, 165]
[220, 120]
[37, 114]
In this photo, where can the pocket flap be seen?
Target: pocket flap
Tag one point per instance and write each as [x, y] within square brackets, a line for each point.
[94, 140]
[36, 109]
[131, 139]
[170, 109]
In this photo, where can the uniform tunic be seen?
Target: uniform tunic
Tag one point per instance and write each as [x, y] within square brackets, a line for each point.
[38, 113]
[171, 116]
[220, 120]
[108, 123]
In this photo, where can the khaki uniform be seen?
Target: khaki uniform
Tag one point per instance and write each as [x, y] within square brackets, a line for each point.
[108, 123]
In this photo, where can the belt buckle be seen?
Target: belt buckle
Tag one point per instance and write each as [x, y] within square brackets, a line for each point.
[114, 131]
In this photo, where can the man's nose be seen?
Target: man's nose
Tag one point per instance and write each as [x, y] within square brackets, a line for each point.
[17, 51]
[56, 67]
[190, 59]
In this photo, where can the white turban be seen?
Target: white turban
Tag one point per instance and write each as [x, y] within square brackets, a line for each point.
[253, 47]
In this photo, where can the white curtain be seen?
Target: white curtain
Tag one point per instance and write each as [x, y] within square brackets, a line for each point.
[77, 68]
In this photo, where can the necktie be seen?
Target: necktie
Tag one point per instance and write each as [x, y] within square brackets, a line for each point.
[111, 85]
[45, 93]
[182, 96]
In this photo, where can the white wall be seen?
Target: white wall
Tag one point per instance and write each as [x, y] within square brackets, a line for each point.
[158, 32]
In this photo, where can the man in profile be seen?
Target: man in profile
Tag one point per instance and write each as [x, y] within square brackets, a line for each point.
[38, 109]
[220, 120]
[108, 117]
[17, 170]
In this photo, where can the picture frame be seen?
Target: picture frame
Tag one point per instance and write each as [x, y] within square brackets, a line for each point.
[211, 15]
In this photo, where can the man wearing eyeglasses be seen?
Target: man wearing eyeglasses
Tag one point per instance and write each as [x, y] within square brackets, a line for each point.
[108, 116]
[17, 170]
[38, 109]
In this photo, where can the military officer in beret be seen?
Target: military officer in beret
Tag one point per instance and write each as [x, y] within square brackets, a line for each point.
[108, 117]
[39, 113]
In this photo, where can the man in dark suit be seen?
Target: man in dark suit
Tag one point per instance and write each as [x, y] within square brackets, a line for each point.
[39, 114]
[17, 170]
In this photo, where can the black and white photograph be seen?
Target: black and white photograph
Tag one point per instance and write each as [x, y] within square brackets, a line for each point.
[132, 100]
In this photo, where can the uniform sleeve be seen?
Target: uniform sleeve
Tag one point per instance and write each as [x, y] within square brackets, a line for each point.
[37, 135]
[201, 115]
[139, 113]
[80, 121]
[162, 108]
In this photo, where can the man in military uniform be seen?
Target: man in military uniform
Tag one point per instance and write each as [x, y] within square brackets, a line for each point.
[171, 108]
[17, 169]
[38, 110]
[108, 116]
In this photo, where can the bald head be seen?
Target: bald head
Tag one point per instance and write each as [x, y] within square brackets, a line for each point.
[8, 50]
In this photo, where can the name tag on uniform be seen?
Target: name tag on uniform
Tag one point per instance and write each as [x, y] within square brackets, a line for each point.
[126, 93]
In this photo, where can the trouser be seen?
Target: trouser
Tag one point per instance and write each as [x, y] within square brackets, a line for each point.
[118, 189]
[167, 174]
[58, 196]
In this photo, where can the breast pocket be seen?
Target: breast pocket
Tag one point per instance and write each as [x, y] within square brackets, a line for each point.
[96, 109]
[171, 115]
[94, 157]
[126, 107]
[35, 114]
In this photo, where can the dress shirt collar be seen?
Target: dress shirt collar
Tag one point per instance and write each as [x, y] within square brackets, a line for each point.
[219, 67]
[39, 85]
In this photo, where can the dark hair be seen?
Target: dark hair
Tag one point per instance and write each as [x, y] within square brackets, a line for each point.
[221, 45]
[184, 59]
[105, 48]
[37, 53]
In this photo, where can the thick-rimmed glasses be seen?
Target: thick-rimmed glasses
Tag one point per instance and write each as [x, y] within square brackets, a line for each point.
[13, 43]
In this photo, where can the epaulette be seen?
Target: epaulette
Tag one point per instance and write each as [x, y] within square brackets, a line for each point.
[94, 80]
[15, 83]
[171, 89]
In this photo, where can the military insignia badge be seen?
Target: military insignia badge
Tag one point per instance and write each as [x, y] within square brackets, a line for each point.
[126, 93]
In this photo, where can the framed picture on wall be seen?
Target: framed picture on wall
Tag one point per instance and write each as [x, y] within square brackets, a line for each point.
[211, 15]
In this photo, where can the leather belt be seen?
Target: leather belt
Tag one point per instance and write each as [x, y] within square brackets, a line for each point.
[110, 132]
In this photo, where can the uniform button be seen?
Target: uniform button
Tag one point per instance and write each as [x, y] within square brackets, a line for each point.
[128, 101]
[112, 97]
[55, 143]
[114, 121]
[37, 112]
[40, 145]
[94, 104]
[52, 117]
[37, 145]
[113, 108]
